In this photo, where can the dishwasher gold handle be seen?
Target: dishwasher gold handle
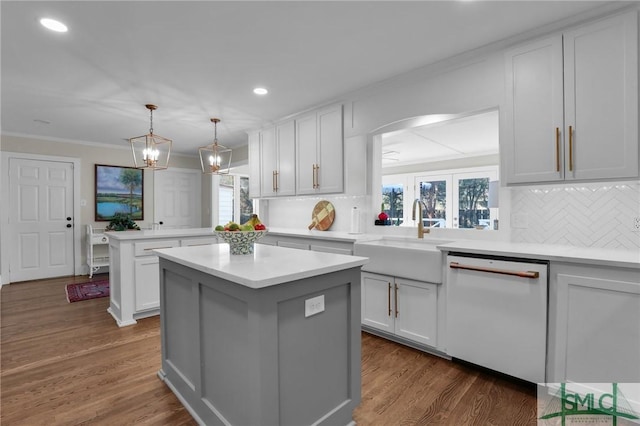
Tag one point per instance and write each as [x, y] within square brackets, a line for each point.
[521, 274]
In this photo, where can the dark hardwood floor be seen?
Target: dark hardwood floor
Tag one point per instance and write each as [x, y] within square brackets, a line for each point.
[69, 364]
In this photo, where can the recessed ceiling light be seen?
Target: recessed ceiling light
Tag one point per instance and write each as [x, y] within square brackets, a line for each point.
[260, 91]
[53, 25]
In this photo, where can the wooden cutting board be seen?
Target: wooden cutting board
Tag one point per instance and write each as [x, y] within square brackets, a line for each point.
[322, 216]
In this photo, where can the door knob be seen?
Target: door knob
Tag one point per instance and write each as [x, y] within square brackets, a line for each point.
[68, 217]
[69, 225]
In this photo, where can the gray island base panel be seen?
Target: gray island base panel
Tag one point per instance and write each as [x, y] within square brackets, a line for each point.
[236, 355]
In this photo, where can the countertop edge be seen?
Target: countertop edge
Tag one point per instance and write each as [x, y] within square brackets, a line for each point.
[564, 254]
[294, 274]
[148, 234]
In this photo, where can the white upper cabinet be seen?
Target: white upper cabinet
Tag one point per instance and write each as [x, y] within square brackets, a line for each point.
[277, 160]
[319, 152]
[572, 105]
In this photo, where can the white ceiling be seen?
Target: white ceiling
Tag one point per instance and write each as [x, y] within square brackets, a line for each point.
[198, 60]
[471, 136]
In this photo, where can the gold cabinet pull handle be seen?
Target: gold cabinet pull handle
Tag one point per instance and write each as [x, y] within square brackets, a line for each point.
[557, 149]
[396, 299]
[389, 299]
[570, 148]
[277, 175]
[317, 175]
[273, 181]
[313, 175]
[316, 181]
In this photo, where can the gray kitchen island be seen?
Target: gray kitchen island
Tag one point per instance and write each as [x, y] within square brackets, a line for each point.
[271, 338]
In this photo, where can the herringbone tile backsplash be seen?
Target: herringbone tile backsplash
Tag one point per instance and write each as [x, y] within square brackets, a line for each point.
[584, 215]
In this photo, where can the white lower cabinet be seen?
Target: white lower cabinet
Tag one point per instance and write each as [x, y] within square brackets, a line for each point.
[134, 277]
[401, 307]
[594, 318]
[147, 277]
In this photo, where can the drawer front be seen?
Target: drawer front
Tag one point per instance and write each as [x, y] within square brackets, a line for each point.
[146, 248]
[332, 249]
[99, 239]
[203, 241]
[289, 244]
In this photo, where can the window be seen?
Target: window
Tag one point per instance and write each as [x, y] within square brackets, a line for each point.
[225, 200]
[473, 201]
[246, 203]
[433, 193]
[453, 198]
[392, 202]
[233, 200]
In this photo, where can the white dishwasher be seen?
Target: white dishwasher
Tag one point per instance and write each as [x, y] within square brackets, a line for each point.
[497, 313]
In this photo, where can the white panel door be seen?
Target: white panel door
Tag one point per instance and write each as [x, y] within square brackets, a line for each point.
[41, 219]
[532, 150]
[286, 143]
[416, 311]
[177, 198]
[306, 153]
[330, 173]
[377, 309]
[601, 99]
[598, 330]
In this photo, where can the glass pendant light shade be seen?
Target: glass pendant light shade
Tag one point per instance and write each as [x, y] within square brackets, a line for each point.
[215, 158]
[151, 151]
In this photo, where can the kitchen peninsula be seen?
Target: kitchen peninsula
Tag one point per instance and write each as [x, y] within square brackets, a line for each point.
[133, 268]
[269, 338]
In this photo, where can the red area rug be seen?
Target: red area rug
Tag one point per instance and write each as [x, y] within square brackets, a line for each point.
[86, 291]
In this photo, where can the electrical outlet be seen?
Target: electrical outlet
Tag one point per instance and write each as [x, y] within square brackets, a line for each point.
[313, 306]
[636, 223]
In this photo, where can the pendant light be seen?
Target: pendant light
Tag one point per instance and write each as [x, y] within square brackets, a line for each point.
[151, 151]
[215, 158]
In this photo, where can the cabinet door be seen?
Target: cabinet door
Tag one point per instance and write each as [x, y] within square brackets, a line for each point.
[532, 146]
[330, 166]
[306, 153]
[416, 311]
[286, 149]
[268, 162]
[254, 165]
[601, 99]
[598, 330]
[377, 306]
[147, 282]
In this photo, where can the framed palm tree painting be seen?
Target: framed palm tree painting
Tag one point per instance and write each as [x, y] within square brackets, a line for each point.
[119, 190]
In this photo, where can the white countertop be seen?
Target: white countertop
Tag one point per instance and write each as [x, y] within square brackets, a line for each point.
[161, 233]
[267, 266]
[555, 253]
